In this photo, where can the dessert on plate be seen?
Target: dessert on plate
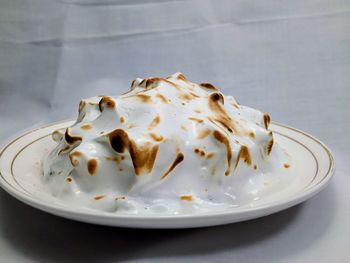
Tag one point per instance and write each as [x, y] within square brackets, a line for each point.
[167, 146]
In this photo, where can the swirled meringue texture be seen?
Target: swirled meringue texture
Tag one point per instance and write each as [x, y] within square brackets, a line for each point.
[167, 146]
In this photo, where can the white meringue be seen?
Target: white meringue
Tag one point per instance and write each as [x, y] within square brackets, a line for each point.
[167, 146]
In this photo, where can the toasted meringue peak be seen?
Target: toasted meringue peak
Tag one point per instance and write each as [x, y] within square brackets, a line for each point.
[167, 146]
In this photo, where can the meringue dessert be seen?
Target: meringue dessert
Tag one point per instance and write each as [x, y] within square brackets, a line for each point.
[167, 146]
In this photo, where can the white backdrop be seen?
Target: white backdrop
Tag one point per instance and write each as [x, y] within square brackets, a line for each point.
[289, 58]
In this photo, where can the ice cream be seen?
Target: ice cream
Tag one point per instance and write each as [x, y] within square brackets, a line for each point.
[167, 146]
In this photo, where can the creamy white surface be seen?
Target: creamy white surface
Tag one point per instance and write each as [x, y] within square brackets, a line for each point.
[189, 119]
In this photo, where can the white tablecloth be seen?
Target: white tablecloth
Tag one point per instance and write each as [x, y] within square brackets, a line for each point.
[289, 58]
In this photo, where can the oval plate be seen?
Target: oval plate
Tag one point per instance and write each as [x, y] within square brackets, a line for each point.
[20, 172]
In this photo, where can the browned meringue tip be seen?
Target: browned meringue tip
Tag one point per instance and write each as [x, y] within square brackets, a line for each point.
[82, 104]
[266, 119]
[106, 102]
[208, 86]
[71, 139]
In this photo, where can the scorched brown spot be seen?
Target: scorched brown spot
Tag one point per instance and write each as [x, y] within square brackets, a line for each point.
[86, 127]
[99, 197]
[267, 120]
[195, 119]
[286, 165]
[73, 156]
[143, 83]
[216, 105]
[186, 198]
[181, 77]
[157, 138]
[92, 166]
[223, 139]
[106, 102]
[194, 95]
[162, 98]
[214, 99]
[143, 98]
[116, 159]
[122, 119]
[64, 150]
[252, 135]
[143, 157]
[203, 134]
[223, 123]
[70, 139]
[269, 146]
[151, 83]
[210, 155]
[133, 84]
[244, 155]
[179, 158]
[76, 154]
[187, 96]
[200, 152]
[69, 180]
[208, 86]
[154, 123]
[119, 140]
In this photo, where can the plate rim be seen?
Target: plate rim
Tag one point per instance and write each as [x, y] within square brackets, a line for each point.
[68, 212]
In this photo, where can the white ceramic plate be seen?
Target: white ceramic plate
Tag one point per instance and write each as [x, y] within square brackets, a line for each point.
[20, 172]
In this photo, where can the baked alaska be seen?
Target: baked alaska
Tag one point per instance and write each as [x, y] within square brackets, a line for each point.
[167, 146]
